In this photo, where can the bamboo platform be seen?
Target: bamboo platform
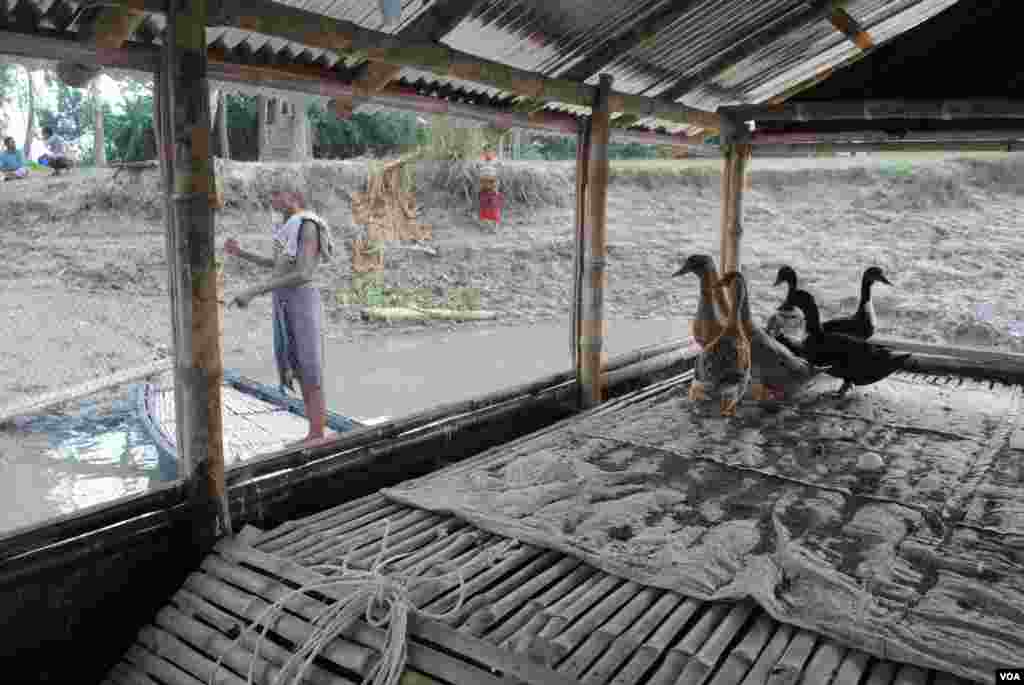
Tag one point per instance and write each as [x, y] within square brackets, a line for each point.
[537, 617]
[530, 614]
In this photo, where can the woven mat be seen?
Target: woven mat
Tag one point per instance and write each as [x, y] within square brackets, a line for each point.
[920, 560]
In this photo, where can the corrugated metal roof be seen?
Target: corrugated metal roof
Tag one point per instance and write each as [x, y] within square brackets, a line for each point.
[554, 36]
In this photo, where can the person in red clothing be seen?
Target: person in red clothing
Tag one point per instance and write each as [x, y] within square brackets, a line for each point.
[491, 200]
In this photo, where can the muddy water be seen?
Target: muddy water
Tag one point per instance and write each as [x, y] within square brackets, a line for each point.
[96, 451]
[404, 374]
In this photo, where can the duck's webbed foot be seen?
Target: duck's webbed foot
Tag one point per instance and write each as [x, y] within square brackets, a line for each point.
[729, 406]
[697, 392]
[844, 389]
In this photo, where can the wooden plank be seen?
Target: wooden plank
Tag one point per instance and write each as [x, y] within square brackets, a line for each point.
[851, 670]
[770, 655]
[625, 644]
[199, 370]
[177, 652]
[194, 606]
[597, 643]
[529, 619]
[161, 669]
[704, 661]
[592, 378]
[656, 644]
[276, 537]
[680, 654]
[565, 643]
[824, 664]
[422, 657]
[742, 658]
[791, 664]
[860, 110]
[50, 399]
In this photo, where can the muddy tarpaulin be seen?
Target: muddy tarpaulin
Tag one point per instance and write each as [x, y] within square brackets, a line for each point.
[890, 520]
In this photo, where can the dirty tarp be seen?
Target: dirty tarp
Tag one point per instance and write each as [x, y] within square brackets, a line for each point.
[920, 561]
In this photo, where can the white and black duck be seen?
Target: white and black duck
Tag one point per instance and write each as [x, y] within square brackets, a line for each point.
[786, 326]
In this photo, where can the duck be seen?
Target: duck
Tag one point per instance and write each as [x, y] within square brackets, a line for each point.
[787, 327]
[853, 360]
[723, 366]
[775, 370]
[863, 322]
[708, 323]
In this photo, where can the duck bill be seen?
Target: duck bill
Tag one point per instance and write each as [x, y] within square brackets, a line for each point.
[682, 272]
[883, 279]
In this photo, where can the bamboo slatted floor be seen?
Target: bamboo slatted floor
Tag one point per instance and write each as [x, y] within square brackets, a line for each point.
[536, 616]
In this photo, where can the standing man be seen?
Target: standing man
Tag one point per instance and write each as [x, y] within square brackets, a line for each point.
[12, 162]
[301, 243]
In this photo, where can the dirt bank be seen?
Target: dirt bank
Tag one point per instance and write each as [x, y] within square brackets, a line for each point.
[85, 283]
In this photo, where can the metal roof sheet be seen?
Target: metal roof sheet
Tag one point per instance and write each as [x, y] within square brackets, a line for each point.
[553, 36]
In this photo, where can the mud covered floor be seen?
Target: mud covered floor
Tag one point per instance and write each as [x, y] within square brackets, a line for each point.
[889, 520]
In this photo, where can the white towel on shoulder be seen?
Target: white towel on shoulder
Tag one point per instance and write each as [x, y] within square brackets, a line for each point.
[287, 235]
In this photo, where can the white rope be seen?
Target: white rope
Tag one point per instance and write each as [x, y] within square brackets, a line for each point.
[383, 600]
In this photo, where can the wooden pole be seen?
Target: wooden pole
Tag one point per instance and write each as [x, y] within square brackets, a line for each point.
[198, 365]
[582, 167]
[261, 126]
[222, 126]
[99, 144]
[595, 234]
[733, 180]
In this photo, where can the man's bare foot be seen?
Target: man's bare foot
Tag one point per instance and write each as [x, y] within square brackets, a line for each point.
[308, 441]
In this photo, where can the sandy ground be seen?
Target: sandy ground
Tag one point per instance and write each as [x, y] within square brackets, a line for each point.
[85, 284]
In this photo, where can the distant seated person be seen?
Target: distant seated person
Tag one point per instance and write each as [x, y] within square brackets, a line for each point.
[12, 162]
[56, 156]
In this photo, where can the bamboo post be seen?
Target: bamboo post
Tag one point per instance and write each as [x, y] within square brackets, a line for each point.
[595, 235]
[261, 126]
[191, 191]
[582, 165]
[222, 125]
[736, 152]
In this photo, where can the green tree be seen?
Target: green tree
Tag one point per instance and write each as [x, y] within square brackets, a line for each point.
[8, 91]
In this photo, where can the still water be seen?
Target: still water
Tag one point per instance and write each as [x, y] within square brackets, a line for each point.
[97, 451]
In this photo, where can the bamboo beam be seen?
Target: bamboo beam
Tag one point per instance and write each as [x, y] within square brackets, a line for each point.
[108, 28]
[316, 80]
[372, 79]
[761, 138]
[199, 368]
[851, 28]
[642, 32]
[817, 11]
[828, 149]
[861, 110]
[733, 181]
[592, 378]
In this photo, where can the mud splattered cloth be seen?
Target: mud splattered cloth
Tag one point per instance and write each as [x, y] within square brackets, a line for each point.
[920, 561]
